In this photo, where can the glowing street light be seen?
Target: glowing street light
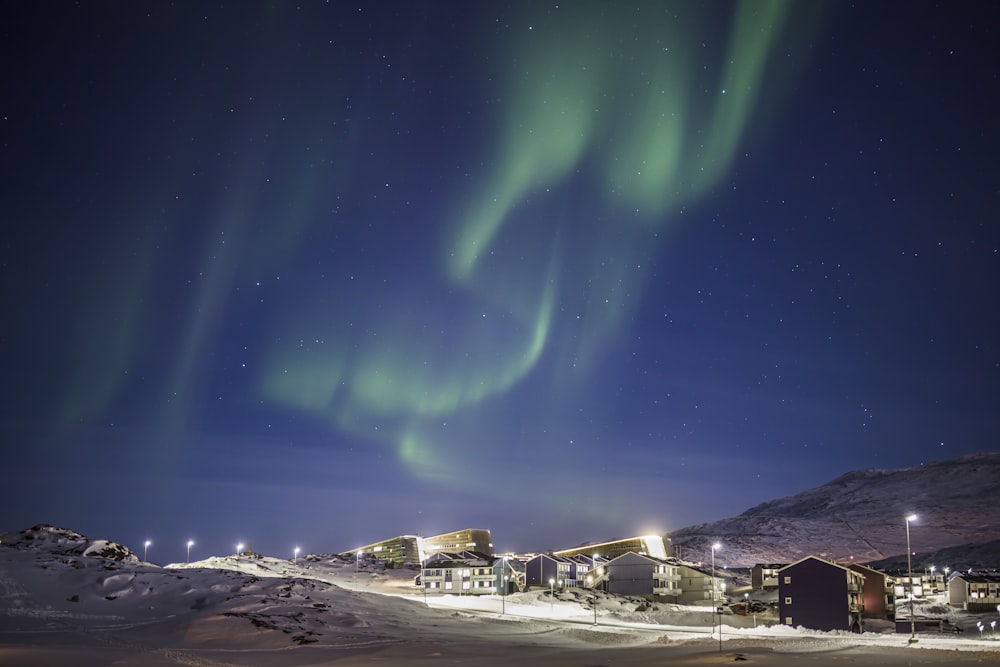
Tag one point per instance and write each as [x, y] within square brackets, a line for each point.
[295, 553]
[909, 568]
[190, 544]
[552, 594]
[357, 567]
[239, 548]
[145, 549]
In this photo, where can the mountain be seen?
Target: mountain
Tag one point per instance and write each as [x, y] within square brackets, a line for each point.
[862, 516]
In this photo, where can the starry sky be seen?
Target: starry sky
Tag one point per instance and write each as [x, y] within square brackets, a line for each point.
[324, 273]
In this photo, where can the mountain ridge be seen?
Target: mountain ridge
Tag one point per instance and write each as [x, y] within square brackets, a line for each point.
[860, 516]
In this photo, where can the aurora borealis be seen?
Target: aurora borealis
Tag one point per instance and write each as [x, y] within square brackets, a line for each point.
[329, 273]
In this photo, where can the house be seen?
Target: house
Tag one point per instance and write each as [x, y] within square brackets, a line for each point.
[878, 593]
[699, 587]
[764, 577]
[549, 570]
[975, 592]
[468, 574]
[640, 574]
[818, 594]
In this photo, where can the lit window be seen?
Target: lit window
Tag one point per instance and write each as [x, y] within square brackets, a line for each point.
[788, 600]
[788, 580]
[788, 620]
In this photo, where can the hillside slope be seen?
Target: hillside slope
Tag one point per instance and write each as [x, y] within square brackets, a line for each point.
[862, 515]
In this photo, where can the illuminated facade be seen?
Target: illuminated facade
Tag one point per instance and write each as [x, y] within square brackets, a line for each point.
[468, 539]
[402, 549]
[649, 545]
[414, 549]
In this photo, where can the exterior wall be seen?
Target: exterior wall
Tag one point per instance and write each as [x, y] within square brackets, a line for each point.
[468, 539]
[667, 581]
[402, 549]
[816, 594]
[764, 577]
[975, 593]
[630, 574]
[473, 577]
[540, 569]
[877, 592]
[696, 587]
[652, 545]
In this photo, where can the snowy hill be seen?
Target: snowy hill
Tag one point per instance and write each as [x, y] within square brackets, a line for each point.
[68, 599]
[861, 515]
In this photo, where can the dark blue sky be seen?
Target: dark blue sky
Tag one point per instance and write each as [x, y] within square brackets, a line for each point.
[328, 273]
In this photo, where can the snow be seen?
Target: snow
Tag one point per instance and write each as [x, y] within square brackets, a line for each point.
[59, 602]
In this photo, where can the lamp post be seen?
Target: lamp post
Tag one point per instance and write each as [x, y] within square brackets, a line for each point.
[190, 544]
[714, 547]
[145, 549]
[239, 548]
[503, 581]
[552, 594]
[357, 568]
[295, 553]
[722, 586]
[909, 568]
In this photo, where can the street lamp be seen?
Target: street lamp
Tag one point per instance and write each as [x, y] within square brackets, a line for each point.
[239, 548]
[145, 549]
[503, 579]
[552, 594]
[909, 568]
[357, 567]
[593, 591]
[714, 547]
[295, 553]
[190, 544]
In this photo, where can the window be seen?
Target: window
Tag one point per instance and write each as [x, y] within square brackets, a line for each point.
[788, 580]
[447, 585]
[788, 620]
[788, 600]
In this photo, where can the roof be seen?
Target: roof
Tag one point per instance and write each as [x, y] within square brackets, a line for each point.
[977, 577]
[824, 561]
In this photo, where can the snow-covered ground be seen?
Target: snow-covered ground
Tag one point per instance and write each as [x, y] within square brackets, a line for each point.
[66, 599]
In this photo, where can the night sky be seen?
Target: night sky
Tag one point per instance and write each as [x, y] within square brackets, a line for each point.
[327, 273]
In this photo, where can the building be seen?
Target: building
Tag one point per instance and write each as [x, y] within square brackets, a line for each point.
[651, 545]
[468, 539]
[764, 577]
[641, 574]
[878, 593]
[468, 574]
[975, 592]
[401, 549]
[818, 594]
[414, 549]
[549, 570]
[699, 587]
